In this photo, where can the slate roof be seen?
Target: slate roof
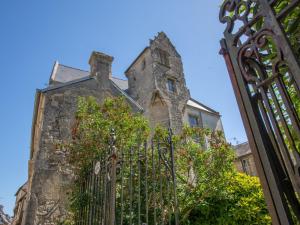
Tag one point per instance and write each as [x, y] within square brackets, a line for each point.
[65, 75]
[195, 104]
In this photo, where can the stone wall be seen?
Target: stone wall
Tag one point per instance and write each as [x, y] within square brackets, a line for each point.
[250, 160]
[147, 78]
[51, 173]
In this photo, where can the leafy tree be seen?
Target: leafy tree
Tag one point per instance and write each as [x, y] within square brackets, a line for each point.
[92, 135]
[210, 191]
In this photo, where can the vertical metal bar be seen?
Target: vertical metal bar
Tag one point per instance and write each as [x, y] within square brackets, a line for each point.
[79, 214]
[289, 106]
[130, 187]
[99, 193]
[122, 187]
[113, 180]
[102, 181]
[139, 184]
[173, 176]
[153, 181]
[104, 218]
[160, 182]
[169, 198]
[87, 203]
[90, 215]
[284, 124]
[90, 195]
[146, 182]
[96, 203]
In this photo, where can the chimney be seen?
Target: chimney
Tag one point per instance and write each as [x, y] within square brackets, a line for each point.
[100, 65]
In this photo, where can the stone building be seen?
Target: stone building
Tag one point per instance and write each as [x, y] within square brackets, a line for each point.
[156, 87]
[4, 218]
[244, 161]
[19, 204]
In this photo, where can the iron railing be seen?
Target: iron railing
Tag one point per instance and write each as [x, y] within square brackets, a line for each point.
[135, 185]
[259, 52]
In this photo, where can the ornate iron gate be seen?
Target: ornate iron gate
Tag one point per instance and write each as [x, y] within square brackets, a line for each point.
[265, 75]
[130, 186]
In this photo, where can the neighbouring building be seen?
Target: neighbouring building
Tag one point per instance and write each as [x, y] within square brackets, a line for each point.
[244, 160]
[155, 86]
[19, 204]
[4, 218]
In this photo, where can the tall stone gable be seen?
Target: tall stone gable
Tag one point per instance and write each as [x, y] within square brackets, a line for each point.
[150, 76]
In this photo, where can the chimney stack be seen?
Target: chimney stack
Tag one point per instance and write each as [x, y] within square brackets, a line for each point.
[100, 65]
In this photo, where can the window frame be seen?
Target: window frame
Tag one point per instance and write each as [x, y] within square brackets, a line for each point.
[246, 166]
[144, 64]
[195, 117]
[173, 85]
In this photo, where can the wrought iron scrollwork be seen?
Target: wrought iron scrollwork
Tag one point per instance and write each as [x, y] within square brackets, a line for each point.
[265, 74]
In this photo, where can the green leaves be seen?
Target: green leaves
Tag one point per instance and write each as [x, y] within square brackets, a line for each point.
[210, 191]
[92, 136]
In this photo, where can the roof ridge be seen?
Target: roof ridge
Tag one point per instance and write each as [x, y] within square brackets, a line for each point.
[243, 143]
[61, 85]
[73, 68]
[128, 96]
[87, 71]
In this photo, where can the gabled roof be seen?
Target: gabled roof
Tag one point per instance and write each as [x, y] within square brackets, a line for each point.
[160, 36]
[195, 104]
[68, 75]
[65, 75]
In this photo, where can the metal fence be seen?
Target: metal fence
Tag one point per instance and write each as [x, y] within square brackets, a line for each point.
[135, 185]
[261, 54]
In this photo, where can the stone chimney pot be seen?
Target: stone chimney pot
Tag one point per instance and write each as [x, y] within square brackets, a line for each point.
[100, 65]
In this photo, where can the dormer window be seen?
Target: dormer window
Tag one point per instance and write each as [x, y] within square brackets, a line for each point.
[163, 57]
[171, 85]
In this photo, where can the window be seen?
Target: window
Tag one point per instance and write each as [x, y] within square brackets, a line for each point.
[163, 57]
[171, 85]
[194, 121]
[246, 166]
[143, 64]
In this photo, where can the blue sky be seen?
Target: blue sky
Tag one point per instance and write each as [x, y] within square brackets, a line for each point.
[36, 33]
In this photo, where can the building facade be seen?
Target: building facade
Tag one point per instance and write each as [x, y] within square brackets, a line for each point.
[244, 161]
[156, 87]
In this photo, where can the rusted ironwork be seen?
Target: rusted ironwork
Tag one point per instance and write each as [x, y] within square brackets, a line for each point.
[265, 75]
[135, 185]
